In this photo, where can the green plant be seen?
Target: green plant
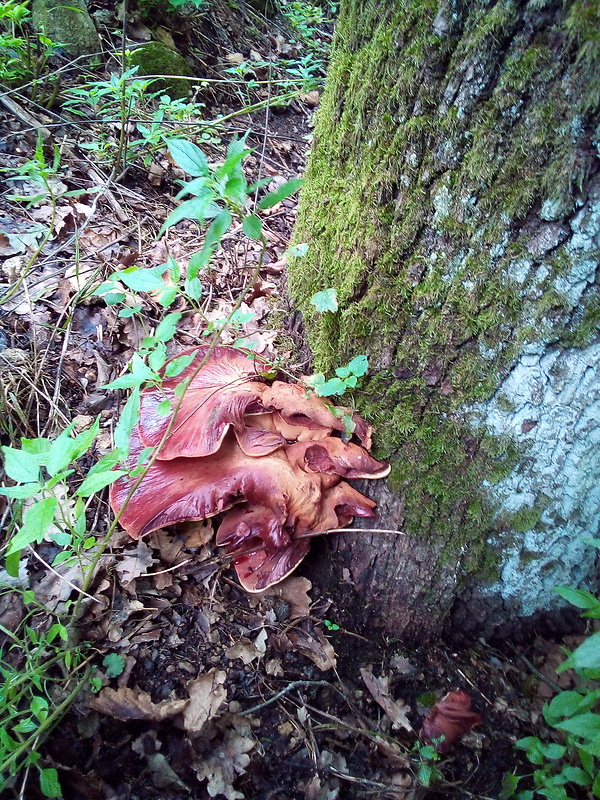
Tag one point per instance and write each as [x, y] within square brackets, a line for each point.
[50, 492]
[573, 761]
[23, 56]
[41, 674]
[427, 757]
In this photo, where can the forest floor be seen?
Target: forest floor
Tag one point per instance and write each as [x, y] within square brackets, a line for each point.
[187, 685]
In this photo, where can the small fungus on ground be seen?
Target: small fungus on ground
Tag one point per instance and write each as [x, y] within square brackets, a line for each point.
[449, 720]
[265, 454]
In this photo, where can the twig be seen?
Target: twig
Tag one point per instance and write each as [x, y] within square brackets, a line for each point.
[308, 534]
[536, 671]
[62, 577]
[170, 569]
[289, 688]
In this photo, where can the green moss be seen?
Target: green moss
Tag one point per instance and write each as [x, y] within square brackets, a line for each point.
[407, 199]
[154, 58]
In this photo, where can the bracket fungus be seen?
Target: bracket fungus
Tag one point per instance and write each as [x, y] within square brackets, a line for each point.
[266, 455]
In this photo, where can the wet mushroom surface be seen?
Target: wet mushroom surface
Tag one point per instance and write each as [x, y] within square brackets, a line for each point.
[266, 454]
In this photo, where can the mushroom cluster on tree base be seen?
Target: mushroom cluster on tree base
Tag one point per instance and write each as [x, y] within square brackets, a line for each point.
[267, 455]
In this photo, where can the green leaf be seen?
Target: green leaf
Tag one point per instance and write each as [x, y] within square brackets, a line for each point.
[37, 520]
[39, 447]
[578, 597]
[21, 466]
[128, 419]
[532, 747]
[140, 279]
[163, 409]
[330, 387]
[553, 751]
[21, 492]
[359, 365]
[586, 656]
[593, 542]
[167, 327]
[585, 725]
[39, 707]
[114, 665]
[252, 227]
[67, 448]
[596, 785]
[285, 190]
[168, 296]
[509, 785]
[200, 208]
[128, 381]
[565, 704]
[297, 250]
[49, 784]
[188, 156]
[325, 300]
[193, 288]
[98, 481]
[11, 564]
[576, 775]
[177, 365]
[158, 356]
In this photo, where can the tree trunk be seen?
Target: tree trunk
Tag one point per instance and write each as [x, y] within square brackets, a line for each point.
[453, 200]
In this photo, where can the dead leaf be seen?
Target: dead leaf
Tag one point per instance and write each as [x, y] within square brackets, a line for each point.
[135, 563]
[293, 591]
[127, 704]
[314, 646]
[248, 650]
[396, 710]
[200, 533]
[227, 760]
[207, 695]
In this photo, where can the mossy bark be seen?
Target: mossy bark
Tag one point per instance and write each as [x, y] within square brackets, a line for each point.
[453, 200]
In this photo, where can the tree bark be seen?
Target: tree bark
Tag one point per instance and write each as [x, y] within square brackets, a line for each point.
[453, 200]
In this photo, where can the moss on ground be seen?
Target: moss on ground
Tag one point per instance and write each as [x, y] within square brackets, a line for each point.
[440, 141]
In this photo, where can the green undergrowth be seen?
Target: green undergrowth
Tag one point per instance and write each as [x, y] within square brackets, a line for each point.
[439, 138]
[55, 496]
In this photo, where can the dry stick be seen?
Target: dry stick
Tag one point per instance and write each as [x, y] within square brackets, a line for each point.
[58, 575]
[309, 534]
[289, 688]
[55, 394]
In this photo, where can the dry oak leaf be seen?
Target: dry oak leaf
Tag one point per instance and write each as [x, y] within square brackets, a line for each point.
[314, 646]
[451, 718]
[127, 704]
[207, 695]
[396, 710]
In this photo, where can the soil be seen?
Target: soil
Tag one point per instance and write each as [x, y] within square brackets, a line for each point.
[281, 704]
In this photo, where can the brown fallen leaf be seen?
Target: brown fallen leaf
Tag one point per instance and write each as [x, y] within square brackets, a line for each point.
[127, 704]
[293, 591]
[396, 710]
[451, 718]
[135, 563]
[314, 646]
[249, 650]
[227, 760]
[207, 695]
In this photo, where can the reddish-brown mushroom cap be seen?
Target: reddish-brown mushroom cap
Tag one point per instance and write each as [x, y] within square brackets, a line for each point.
[261, 453]
[226, 388]
[450, 718]
[258, 569]
[333, 456]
